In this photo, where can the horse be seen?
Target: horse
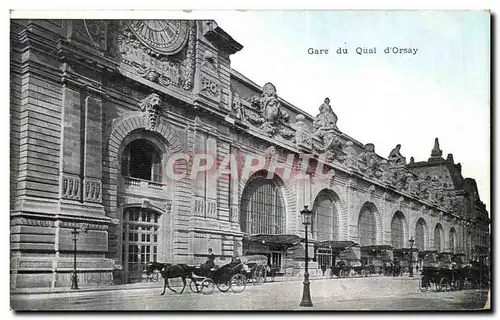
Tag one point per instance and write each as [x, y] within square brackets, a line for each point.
[169, 271]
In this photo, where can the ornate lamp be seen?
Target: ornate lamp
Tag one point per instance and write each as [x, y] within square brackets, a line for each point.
[411, 256]
[306, 293]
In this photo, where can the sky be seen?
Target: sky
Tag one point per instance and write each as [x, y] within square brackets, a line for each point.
[387, 99]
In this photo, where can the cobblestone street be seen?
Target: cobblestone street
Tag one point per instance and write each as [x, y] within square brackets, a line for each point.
[327, 294]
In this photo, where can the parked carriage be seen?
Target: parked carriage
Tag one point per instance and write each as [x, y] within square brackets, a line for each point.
[442, 271]
[257, 268]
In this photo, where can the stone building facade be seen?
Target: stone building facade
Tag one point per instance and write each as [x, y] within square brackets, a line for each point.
[109, 120]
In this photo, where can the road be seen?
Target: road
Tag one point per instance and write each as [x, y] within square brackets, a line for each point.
[378, 293]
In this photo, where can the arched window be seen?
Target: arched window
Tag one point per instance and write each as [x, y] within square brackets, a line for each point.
[262, 207]
[452, 240]
[324, 216]
[142, 160]
[420, 234]
[397, 231]
[366, 227]
[437, 237]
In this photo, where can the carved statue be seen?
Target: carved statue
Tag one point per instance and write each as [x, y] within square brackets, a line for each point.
[368, 160]
[436, 152]
[325, 120]
[236, 105]
[395, 158]
[302, 133]
[351, 155]
[269, 113]
[151, 106]
[411, 185]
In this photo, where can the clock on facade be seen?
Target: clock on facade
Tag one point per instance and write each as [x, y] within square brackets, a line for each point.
[162, 36]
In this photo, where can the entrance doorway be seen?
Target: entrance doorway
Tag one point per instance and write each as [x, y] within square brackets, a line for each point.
[140, 241]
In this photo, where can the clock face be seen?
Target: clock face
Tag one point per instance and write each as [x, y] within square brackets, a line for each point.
[163, 36]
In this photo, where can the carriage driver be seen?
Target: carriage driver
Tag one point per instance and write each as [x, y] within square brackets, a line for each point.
[210, 263]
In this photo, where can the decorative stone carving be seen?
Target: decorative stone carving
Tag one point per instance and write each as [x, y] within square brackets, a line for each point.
[412, 186]
[326, 120]
[371, 191]
[199, 207]
[332, 146]
[151, 105]
[234, 213]
[168, 206]
[351, 156]
[302, 132]
[412, 160]
[210, 86]
[211, 208]
[368, 160]
[93, 32]
[436, 152]
[189, 62]
[209, 62]
[70, 187]
[270, 155]
[236, 106]
[269, 114]
[395, 158]
[16, 221]
[93, 188]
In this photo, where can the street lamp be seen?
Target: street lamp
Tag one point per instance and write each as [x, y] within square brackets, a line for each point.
[306, 293]
[74, 278]
[411, 256]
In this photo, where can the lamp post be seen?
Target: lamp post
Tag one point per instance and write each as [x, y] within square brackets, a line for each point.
[411, 256]
[74, 277]
[306, 293]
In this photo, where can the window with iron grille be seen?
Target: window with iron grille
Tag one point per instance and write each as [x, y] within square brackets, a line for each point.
[420, 235]
[262, 207]
[366, 227]
[397, 231]
[142, 160]
[324, 217]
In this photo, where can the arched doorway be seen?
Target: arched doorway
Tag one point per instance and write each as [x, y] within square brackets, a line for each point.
[262, 207]
[324, 226]
[397, 230]
[139, 240]
[420, 234]
[438, 231]
[453, 240]
[367, 227]
[262, 211]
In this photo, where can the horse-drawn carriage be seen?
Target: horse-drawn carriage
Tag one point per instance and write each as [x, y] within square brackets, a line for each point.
[445, 271]
[231, 276]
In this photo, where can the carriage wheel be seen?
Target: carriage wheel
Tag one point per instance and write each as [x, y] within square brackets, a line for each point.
[193, 286]
[238, 283]
[443, 284]
[207, 286]
[223, 286]
[424, 284]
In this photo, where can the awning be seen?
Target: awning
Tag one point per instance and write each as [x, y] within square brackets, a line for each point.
[375, 248]
[335, 244]
[347, 255]
[273, 239]
[259, 259]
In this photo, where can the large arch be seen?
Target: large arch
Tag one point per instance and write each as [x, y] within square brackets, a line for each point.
[263, 205]
[368, 225]
[438, 237]
[421, 234]
[326, 212]
[399, 230]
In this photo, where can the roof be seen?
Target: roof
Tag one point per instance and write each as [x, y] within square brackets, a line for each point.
[280, 239]
[335, 244]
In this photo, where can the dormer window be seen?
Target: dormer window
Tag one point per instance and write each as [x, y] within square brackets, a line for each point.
[142, 160]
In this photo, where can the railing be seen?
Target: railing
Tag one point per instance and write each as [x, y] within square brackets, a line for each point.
[136, 182]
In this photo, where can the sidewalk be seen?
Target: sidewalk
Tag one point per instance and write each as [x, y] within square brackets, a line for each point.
[175, 283]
